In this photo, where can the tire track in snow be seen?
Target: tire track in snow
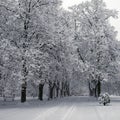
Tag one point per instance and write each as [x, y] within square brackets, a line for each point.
[62, 110]
[98, 114]
[48, 112]
[69, 113]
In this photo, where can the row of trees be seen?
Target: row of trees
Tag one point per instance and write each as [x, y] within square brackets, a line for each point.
[40, 43]
[33, 46]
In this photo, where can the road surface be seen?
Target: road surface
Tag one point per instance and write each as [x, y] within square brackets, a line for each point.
[71, 108]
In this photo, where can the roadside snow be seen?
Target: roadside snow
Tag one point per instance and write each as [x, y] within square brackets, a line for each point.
[71, 108]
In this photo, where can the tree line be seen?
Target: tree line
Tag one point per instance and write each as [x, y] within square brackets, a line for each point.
[41, 43]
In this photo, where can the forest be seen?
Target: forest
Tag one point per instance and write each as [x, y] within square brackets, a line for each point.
[47, 51]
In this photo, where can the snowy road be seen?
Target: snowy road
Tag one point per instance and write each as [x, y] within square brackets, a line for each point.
[73, 108]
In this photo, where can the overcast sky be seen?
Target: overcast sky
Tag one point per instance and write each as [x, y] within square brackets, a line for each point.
[111, 4]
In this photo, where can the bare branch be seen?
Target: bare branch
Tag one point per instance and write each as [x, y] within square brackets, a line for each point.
[80, 55]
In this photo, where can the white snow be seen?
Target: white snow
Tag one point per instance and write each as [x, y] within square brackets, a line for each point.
[71, 108]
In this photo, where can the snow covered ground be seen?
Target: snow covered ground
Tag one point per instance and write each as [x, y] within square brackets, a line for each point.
[71, 108]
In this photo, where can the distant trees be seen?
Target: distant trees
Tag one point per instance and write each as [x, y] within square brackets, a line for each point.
[58, 73]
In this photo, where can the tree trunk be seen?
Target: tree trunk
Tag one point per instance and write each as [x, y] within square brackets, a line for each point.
[24, 85]
[57, 89]
[51, 92]
[51, 87]
[90, 90]
[99, 88]
[68, 89]
[95, 91]
[41, 91]
[62, 90]
[23, 92]
[24, 47]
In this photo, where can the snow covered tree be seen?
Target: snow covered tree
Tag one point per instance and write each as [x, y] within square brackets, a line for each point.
[96, 41]
[27, 30]
[9, 67]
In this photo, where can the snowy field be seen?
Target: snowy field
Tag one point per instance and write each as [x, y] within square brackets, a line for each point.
[72, 108]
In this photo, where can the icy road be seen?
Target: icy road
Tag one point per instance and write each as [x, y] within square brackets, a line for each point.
[72, 108]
